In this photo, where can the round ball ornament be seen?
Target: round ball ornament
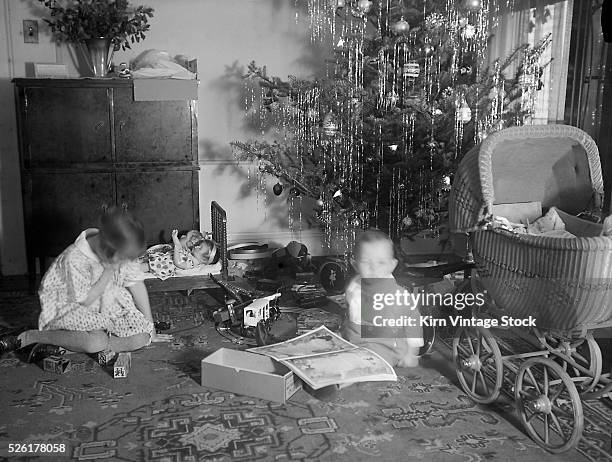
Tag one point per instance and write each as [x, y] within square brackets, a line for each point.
[407, 222]
[411, 69]
[469, 31]
[277, 189]
[365, 5]
[340, 3]
[356, 222]
[401, 27]
[341, 199]
[472, 5]
[295, 192]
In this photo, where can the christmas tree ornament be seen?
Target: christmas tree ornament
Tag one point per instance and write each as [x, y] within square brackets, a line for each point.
[277, 189]
[391, 99]
[340, 3]
[464, 113]
[319, 203]
[341, 198]
[472, 5]
[330, 127]
[407, 222]
[446, 182]
[393, 147]
[401, 26]
[469, 31]
[356, 222]
[411, 69]
[294, 192]
[428, 49]
[364, 5]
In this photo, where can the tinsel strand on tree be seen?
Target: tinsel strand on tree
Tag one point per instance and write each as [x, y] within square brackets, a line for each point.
[376, 141]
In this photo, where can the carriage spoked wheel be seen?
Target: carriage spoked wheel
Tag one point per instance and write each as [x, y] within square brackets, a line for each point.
[580, 358]
[478, 363]
[548, 404]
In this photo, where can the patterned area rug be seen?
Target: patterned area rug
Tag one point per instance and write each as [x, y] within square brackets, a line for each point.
[160, 412]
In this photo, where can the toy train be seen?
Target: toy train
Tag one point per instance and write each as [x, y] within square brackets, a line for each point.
[250, 318]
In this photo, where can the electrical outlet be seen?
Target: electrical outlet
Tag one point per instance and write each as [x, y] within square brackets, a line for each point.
[30, 31]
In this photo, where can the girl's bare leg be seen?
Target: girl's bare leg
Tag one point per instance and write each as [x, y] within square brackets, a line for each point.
[85, 342]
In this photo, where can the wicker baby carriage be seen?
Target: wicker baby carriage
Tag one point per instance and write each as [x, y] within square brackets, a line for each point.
[565, 284]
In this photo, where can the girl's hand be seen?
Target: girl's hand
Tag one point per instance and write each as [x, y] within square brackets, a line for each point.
[161, 337]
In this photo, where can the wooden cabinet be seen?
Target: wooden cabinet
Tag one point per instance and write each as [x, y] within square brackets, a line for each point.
[86, 144]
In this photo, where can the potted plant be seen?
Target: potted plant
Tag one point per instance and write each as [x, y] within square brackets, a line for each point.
[102, 26]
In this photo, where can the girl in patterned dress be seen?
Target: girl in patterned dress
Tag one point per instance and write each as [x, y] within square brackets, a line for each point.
[93, 297]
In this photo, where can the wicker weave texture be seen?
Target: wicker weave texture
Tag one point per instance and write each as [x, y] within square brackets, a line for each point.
[565, 283]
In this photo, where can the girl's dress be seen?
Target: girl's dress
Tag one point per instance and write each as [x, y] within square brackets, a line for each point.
[68, 281]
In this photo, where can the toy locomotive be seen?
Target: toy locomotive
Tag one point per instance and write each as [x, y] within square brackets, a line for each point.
[245, 314]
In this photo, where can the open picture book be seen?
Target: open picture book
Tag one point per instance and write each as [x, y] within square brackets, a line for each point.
[321, 358]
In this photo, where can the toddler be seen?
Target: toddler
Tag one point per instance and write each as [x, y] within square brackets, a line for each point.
[374, 260]
[93, 297]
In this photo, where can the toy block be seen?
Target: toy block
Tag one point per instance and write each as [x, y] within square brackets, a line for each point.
[56, 364]
[121, 368]
[105, 357]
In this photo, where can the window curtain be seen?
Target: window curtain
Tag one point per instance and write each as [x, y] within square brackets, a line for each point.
[530, 21]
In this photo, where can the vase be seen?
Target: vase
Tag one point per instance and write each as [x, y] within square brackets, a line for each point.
[99, 54]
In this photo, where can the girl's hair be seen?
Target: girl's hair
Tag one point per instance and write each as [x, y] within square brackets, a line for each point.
[120, 231]
[369, 236]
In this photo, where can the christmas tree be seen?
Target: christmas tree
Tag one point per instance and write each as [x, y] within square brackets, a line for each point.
[376, 141]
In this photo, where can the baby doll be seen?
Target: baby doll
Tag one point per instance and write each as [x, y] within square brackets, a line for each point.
[188, 251]
[374, 261]
[194, 249]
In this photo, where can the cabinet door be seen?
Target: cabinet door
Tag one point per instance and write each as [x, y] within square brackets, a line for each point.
[62, 205]
[162, 200]
[152, 131]
[65, 126]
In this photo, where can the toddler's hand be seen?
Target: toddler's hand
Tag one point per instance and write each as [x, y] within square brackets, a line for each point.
[175, 237]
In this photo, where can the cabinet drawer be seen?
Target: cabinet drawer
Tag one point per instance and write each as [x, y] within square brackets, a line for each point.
[162, 200]
[152, 131]
[65, 126]
[64, 204]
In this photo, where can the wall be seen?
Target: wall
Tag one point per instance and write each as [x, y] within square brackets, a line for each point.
[222, 35]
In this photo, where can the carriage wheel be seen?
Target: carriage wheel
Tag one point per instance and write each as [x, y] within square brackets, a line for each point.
[548, 404]
[584, 351]
[479, 364]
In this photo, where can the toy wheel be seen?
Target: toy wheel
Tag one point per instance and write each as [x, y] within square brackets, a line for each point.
[479, 364]
[548, 404]
[580, 358]
[429, 337]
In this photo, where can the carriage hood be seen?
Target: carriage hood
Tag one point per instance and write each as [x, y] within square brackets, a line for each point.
[556, 165]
